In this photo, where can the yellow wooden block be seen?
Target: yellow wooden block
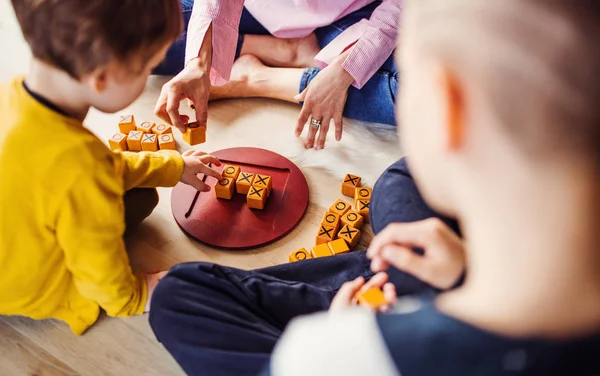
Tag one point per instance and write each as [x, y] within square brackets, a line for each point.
[321, 250]
[264, 181]
[162, 129]
[244, 182]
[166, 141]
[353, 219]
[299, 255]
[351, 182]
[149, 142]
[118, 142]
[362, 208]
[338, 246]
[195, 133]
[146, 127]
[325, 234]
[331, 219]
[372, 297]
[257, 197]
[363, 193]
[134, 140]
[340, 207]
[224, 188]
[350, 235]
[127, 124]
[231, 171]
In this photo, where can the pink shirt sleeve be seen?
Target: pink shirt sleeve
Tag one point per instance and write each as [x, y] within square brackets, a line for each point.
[225, 18]
[374, 41]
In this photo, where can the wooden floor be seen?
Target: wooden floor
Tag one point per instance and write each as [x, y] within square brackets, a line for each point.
[128, 346]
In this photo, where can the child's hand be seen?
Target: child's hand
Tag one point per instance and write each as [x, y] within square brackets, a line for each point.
[196, 162]
[345, 296]
[152, 282]
[443, 262]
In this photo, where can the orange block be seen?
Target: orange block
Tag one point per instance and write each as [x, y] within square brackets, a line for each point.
[363, 193]
[166, 141]
[118, 142]
[264, 181]
[353, 219]
[325, 234]
[331, 219]
[351, 182]
[338, 246]
[299, 255]
[134, 140]
[224, 188]
[231, 171]
[244, 182]
[162, 129]
[362, 208]
[321, 250]
[146, 127]
[350, 235]
[257, 197]
[195, 133]
[150, 142]
[127, 124]
[372, 297]
[340, 207]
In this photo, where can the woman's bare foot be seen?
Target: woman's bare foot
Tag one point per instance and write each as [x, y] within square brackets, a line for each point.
[282, 53]
[244, 76]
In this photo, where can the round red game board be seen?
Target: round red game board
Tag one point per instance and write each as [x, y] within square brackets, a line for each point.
[230, 224]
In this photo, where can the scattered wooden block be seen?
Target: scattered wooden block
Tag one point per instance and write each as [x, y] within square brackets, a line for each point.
[127, 124]
[264, 181]
[338, 247]
[299, 255]
[224, 188]
[362, 208]
[134, 140]
[321, 250]
[350, 235]
[325, 234]
[118, 142]
[244, 182]
[149, 142]
[353, 219]
[351, 182]
[166, 141]
[162, 129]
[372, 297]
[340, 207]
[331, 219]
[363, 193]
[195, 133]
[146, 127]
[257, 197]
[231, 171]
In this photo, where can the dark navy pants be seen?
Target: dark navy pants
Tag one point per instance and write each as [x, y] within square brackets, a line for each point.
[217, 320]
[373, 103]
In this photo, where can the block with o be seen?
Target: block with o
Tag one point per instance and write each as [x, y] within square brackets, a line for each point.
[224, 188]
[299, 255]
[340, 207]
[352, 219]
[166, 141]
[118, 142]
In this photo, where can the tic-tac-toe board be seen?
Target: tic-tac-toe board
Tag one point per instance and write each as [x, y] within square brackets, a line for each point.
[230, 224]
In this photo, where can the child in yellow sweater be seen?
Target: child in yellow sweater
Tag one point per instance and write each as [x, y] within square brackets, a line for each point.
[64, 195]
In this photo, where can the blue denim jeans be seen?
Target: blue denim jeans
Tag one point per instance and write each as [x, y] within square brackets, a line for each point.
[374, 102]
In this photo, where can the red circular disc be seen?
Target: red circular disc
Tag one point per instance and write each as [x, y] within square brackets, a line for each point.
[230, 224]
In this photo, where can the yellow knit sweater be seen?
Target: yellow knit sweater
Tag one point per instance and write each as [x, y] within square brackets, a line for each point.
[62, 217]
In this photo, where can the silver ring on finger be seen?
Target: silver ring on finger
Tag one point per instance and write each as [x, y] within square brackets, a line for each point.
[316, 124]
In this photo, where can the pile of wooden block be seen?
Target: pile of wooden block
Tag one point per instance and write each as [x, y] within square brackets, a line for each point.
[256, 187]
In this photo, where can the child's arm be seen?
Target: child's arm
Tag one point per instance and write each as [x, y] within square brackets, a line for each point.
[89, 230]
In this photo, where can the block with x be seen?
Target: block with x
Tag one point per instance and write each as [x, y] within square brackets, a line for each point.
[351, 182]
[244, 182]
[326, 234]
[362, 208]
[257, 197]
[264, 181]
[350, 235]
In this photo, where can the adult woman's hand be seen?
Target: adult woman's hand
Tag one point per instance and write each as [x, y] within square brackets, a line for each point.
[193, 84]
[324, 100]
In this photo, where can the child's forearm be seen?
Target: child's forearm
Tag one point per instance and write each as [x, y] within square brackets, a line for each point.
[149, 170]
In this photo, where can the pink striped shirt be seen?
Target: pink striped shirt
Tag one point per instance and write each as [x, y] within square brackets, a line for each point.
[373, 39]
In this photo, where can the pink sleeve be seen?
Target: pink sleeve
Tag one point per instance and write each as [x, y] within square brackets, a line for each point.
[374, 41]
[225, 18]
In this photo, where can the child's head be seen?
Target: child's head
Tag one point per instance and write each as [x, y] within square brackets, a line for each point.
[490, 84]
[110, 46]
